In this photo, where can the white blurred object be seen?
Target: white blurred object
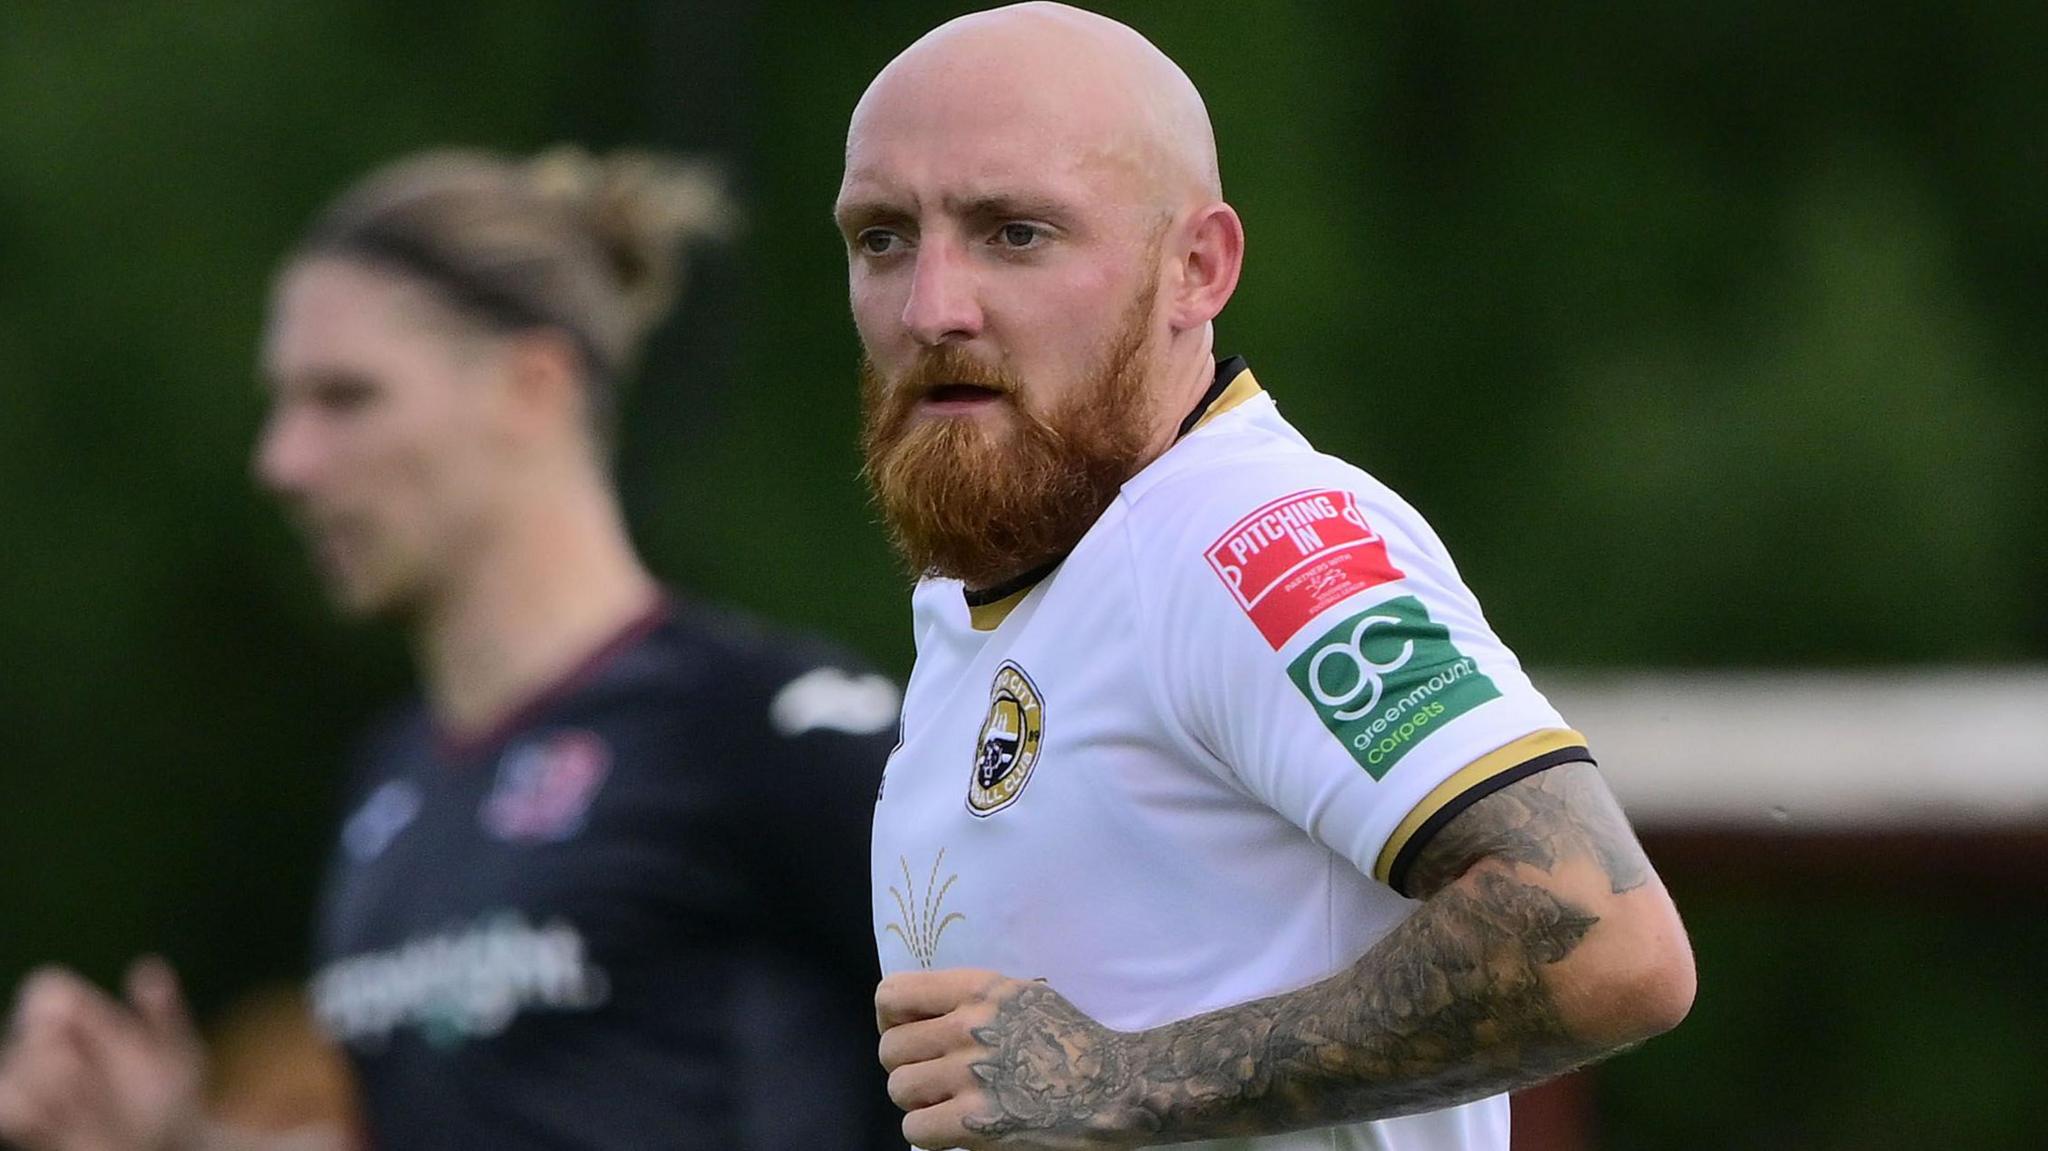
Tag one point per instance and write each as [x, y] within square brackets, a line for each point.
[1811, 751]
[832, 700]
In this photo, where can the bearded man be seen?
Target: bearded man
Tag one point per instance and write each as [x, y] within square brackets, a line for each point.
[1220, 813]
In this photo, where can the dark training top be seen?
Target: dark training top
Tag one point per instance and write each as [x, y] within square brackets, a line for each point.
[636, 916]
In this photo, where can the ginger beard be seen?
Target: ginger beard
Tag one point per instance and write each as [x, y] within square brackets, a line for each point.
[985, 505]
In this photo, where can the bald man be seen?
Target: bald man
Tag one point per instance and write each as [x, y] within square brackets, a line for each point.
[1220, 813]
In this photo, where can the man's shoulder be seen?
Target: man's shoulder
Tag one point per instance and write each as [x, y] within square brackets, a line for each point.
[1265, 527]
[1258, 483]
[735, 638]
[796, 681]
[397, 739]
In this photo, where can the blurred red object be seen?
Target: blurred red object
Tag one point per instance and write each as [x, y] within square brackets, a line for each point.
[1556, 1116]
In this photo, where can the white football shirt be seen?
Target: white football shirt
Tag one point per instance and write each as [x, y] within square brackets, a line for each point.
[1190, 766]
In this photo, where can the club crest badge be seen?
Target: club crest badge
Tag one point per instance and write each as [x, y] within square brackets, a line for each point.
[545, 786]
[1010, 738]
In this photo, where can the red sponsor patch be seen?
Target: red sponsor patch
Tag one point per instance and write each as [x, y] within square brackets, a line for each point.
[1298, 556]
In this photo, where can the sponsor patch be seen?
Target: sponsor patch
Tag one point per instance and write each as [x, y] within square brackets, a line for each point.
[1007, 748]
[544, 787]
[1298, 556]
[1386, 679]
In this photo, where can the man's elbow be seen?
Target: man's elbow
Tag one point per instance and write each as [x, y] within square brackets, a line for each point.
[1644, 985]
[1657, 993]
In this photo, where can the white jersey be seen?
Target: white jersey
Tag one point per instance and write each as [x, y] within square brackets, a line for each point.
[1190, 766]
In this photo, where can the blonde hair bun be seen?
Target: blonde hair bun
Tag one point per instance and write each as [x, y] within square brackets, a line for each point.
[645, 209]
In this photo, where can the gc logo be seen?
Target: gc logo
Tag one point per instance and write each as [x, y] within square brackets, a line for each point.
[1368, 682]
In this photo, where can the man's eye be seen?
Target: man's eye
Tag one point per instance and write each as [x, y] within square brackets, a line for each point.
[1019, 235]
[876, 241]
[344, 398]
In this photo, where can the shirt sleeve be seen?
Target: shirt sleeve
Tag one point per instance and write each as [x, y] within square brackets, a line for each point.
[1319, 651]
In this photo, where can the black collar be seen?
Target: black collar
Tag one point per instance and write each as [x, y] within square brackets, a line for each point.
[1013, 585]
[1226, 371]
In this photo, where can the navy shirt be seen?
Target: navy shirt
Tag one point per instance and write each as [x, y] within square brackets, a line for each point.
[634, 917]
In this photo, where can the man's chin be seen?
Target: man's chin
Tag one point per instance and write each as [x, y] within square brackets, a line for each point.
[362, 599]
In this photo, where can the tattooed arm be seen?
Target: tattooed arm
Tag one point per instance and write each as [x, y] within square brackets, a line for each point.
[1544, 942]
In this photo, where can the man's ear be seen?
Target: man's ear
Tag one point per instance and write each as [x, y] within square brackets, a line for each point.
[1211, 258]
[545, 382]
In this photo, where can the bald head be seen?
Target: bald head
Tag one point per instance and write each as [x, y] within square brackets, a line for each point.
[1094, 88]
[1034, 225]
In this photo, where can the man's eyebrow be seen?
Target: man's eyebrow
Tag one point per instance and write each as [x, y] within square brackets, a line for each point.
[314, 380]
[855, 215]
[1005, 206]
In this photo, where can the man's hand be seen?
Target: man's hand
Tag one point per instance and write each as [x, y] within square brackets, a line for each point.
[83, 1072]
[979, 1060]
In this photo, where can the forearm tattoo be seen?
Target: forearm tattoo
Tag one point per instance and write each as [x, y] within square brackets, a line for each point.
[1450, 1006]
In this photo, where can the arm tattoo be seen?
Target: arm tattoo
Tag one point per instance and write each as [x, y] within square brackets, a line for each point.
[1542, 820]
[1053, 1069]
[1450, 1006]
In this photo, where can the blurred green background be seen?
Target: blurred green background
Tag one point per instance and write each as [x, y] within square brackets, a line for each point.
[1707, 335]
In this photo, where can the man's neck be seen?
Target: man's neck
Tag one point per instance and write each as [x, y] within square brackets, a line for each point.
[1188, 378]
[547, 592]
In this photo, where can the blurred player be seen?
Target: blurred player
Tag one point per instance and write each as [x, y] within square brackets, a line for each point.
[1220, 812]
[603, 886]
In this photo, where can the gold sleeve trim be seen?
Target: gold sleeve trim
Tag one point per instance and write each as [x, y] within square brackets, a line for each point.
[1242, 387]
[1505, 758]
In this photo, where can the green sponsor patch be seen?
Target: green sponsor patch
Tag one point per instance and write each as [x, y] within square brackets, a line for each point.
[1386, 678]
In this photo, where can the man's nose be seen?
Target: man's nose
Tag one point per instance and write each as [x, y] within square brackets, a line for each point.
[285, 454]
[944, 305]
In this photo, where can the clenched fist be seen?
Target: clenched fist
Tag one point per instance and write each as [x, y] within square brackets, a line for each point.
[83, 1072]
[979, 1060]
